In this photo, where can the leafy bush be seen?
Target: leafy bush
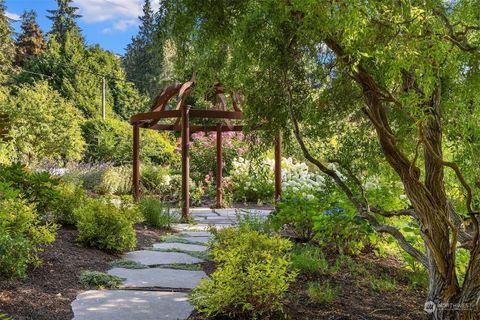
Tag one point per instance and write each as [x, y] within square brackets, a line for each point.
[115, 180]
[102, 225]
[14, 255]
[321, 293]
[111, 140]
[22, 233]
[156, 179]
[99, 280]
[252, 276]
[42, 125]
[36, 187]
[296, 214]
[203, 153]
[253, 180]
[157, 214]
[70, 196]
[309, 260]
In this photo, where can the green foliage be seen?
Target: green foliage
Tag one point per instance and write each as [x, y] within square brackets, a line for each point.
[70, 196]
[7, 48]
[321, 293]
[253, 179]
[252, 276]
[102, 225]
[99, 280]
[115, 180]
[111, 140]
[43, 125]
[297, 214]
[38, 188]
[157, 214]
[384, 284]
[309, 260]
[156, 179]
[31, 42]
[22, 233]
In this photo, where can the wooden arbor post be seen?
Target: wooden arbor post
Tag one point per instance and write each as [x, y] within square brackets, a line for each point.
[219, 202]
[136, 161]
[185, 136]
[278, 166]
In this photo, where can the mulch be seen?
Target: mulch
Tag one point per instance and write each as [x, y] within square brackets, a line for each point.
[48, 290]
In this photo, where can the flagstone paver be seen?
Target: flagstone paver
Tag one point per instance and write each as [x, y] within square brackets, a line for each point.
[149, 258]
[180, 246]
[158, 278]
[131, 305]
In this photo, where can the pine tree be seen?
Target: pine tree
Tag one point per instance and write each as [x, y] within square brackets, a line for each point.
[63, 20]
[31, 41]
[143, 61]
[7, 48]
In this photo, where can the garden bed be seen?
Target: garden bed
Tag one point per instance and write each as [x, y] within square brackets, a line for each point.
[48, 290]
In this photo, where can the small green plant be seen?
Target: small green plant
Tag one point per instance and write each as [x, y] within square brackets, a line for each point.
[157, 214]
[309, 259]
[180, 266]
[102, 225]
[321, 293]
[383, 284]
[417, 279]
[252, 276]
[70, 196]
[115, 180]
[253, 221]
[128, 264]
[99, 280]
[4, 316]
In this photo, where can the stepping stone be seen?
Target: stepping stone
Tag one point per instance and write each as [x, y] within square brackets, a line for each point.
[197, 239]
[197, 234]
[150, 258]
[129, 305]
[158, 278]
[180, 246]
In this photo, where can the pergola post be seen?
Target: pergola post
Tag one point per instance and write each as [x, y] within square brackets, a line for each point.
[278, 166]
[219, 201]
[185, 136]
[136, 161]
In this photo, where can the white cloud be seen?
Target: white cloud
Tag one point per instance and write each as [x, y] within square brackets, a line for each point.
[120, 25]
[12, 16]
[107, 10]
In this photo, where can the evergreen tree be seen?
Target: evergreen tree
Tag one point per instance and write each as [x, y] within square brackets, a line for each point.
[7, 48]
[31, 41]
[63, 20]
[144, 59]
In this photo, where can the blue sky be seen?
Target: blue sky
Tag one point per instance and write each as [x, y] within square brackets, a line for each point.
[111, 23]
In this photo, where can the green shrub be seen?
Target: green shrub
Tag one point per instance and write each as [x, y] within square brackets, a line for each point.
[309, 260]
[70, 196]
[253, 180]
[321, 293]
[157, 214]
[22, 233]
[111, 140]
[155, 179]
[297, 214]
[36, 187]
[104, 226]
[252, 276]
[384, 284]
[14, 255]
[115, 180]
[99, 280]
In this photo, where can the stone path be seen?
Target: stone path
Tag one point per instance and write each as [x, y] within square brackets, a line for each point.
[157, 288]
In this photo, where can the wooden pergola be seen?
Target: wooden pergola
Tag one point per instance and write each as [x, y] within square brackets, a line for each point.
[182, 113]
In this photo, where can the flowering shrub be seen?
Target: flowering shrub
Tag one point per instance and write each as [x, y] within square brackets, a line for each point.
[203, 153]
[253, 180]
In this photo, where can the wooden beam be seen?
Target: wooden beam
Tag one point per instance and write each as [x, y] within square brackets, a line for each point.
[156, 115]
[278, 166]
[185, 163]
[194, 128]
[216, 114]
[162, 99]
[219, 201]
[136, 162]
